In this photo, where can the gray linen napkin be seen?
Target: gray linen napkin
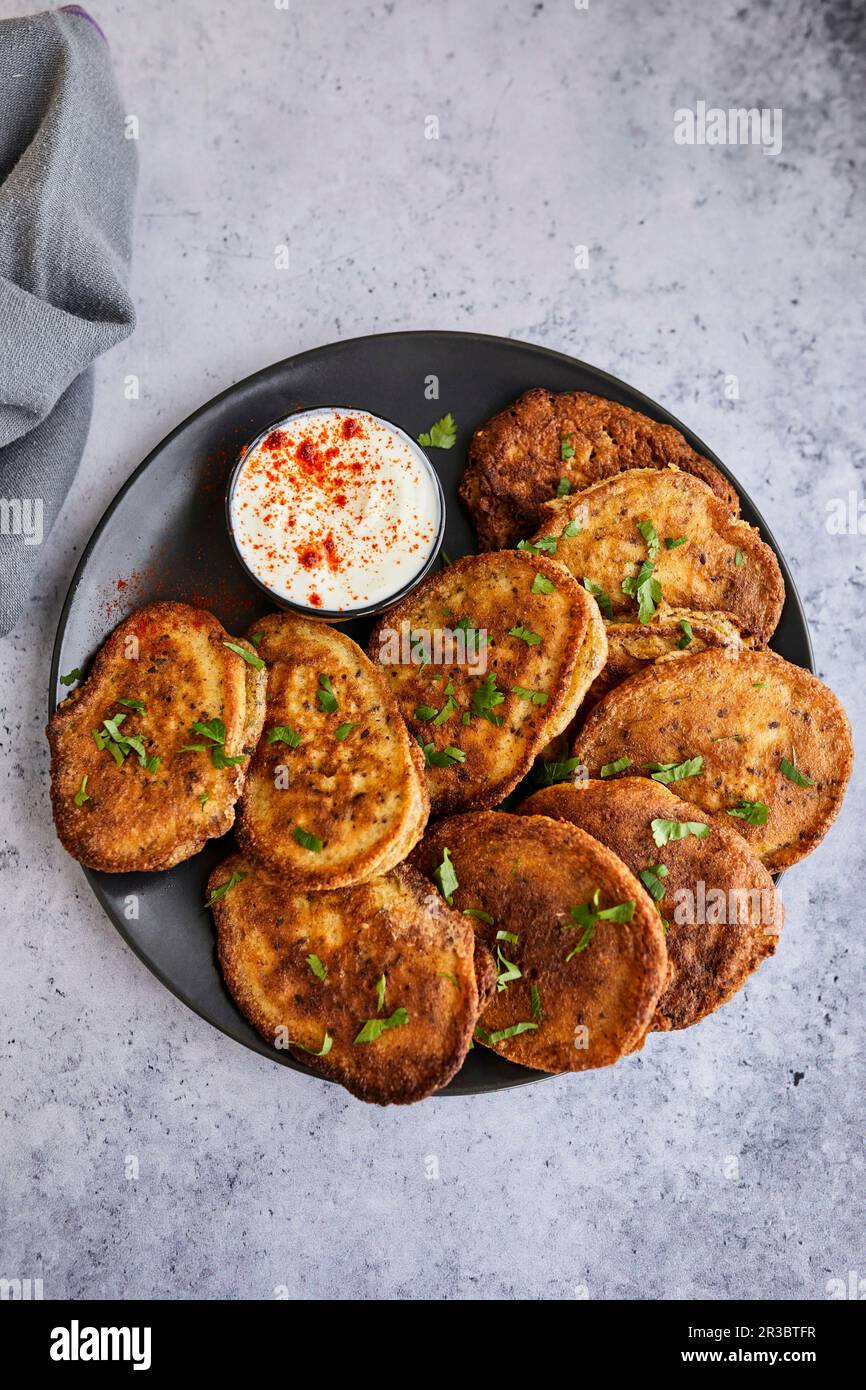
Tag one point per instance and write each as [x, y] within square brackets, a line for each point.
[67, 185]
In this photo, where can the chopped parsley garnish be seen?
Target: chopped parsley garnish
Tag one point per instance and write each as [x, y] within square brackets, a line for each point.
[445, 757]
[380, 993]
[203, 799]
[545, 546]
[644, 589]
[237, 877]
[687, 634]
[526, 635]
[508, 972]
[307, 840]
[479, 913]
[599, 595]
[425, 712]
[441, 435]
[345, 729]
[535, 1004]
[759, 685]
[73, 675]
[588, 915]
[491, 1039]
[110, 739]
[542, 585]
[752, 812]
[535, 697]
[512, 936]
[319, 970]
[323, 1050]
[611, 769]
[671, 542]
[215, 730]
[249, 657]
[675, 772]
[651, 878]
[256, 637]
[137, 705]
[325, 695]
[650, 535]
[738, 558]
[572, 528]
[439, 716]
[666, 830]
[375, 1027]
[566, 451]
[485, 698]
[793, 773]
[551, 772]
[81, 795]
[563, 487]
[452, 979]
[723, 738]
[445, 877]
[283, 733]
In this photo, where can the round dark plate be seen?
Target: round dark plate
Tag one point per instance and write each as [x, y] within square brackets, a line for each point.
[164, 536]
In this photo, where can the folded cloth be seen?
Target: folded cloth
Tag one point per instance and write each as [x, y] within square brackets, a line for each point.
[67, 186]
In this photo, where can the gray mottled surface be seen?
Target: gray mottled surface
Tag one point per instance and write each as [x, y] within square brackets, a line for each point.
[721, 1162]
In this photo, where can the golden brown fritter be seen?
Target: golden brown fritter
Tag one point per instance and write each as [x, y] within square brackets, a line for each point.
[633, 645]
[516, 459]
[349, 800]
[586, 989]
[722, 911]
[165, 667]
[538, 643]
[721, 564]
[307, 967]
[759, 724]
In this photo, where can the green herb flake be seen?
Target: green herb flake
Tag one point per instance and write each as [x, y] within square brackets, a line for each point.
[526, 635]
[651, 878]
[508, 973]
[323, 1050]
[588, 915]
[793, 773]
[611, 769]
[557, 771]
[571, 528]
[325, 695]
[542, 585]
[445, 877]
[307, 840]
[283, 733]
[566, 451]
[599, 595]
[485, 698]
[535, 697]
[673, 542]
[238, 876]
[203, 799]
[479, 913]
[645, 590]
[563, 487]
[491, 1039]
[81, 795]
[738, 558]
[535, 1004]
[344, 730]
[319, 970]
[650, 535]
[675, 772]
[249, 657]
[375, 1027]
[545, 546]
[380, 993]
[256, 637]
[137, 705]
[752, 812]
[441, 435]
[687, 636]
[511, 936]
[667, 830]
[71, 677]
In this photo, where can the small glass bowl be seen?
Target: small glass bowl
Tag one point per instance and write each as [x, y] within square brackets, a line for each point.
[344, 615]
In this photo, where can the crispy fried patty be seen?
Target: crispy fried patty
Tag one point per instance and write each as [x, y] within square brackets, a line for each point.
[721, 910]
[164, 667]
[518, 459]
[760, 726]
[309, 967]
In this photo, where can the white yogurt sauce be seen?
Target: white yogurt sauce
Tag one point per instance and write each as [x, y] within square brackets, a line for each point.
[335, 510]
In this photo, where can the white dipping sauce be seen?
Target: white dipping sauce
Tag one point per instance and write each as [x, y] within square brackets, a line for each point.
[335, 509]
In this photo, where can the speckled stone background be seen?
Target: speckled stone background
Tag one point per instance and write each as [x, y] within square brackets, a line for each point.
[721, 1162]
